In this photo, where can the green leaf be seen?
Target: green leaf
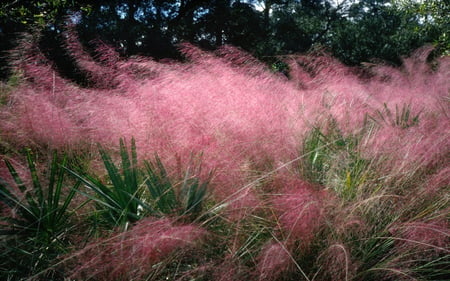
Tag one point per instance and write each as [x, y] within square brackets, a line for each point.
[113, 172]
[120, 201]
[35, 179]
[42, 222]
[15, 176]
[160, 187]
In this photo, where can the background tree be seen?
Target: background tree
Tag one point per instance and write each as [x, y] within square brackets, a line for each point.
[386, 30]
[353, 31]
[47, 16]
[430, 19]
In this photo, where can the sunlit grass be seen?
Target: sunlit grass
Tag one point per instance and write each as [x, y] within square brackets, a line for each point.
[241, 174]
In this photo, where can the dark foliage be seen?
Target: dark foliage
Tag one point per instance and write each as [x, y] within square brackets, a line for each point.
[353, 32]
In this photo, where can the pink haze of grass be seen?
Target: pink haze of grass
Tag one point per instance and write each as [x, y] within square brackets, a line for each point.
[300, 212]
[274, 261]
[228, 107]
[245, 120]
[131, 254]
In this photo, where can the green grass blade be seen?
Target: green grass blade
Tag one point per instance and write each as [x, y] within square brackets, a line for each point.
[52, 178]
[59, 183]
[152, 181]
[160, 166]
[134, 162]
[5, 195]
[159, 186]
[29, 213]
[187, 188]
[101, 202]
[192, 199]
[114, 175]
[67, 201]
[194, 192]
[35, 179]
[197, 197]
[15, 176]
[33, 208]
[101, 190]
[130, 187]
[34, 176]
[126, 166]
[168, 196]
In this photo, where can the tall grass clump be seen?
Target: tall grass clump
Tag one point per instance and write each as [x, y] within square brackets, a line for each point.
[183, 198]
[334, 160]
[118, 202]
[140, 253]
[132, 192]
[334, 173]
[36, 223]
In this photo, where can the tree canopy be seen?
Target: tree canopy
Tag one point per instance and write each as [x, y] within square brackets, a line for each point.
[353, 31]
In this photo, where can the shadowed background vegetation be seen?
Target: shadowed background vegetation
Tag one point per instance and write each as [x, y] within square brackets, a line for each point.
[353, 31]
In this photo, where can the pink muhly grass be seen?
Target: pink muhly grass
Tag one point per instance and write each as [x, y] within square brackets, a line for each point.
[407, 151]
[418, 245]
[427, 237]
[20, 167]
[239, 205]
[300, 211]
[345, 222]
[23, 172]
[216, 110]
[45, 123]
[105, 53]
[102, 76]
[415, 83]
[29, 61]
[5, 178]
[424, 92]
[336, 263]
[331, 90]
[131, 254]
[224, 105]
[274, 261]
[437, 182]
[106, 69]
[229, 270]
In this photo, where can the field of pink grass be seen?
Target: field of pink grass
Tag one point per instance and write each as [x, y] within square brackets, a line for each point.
[249, 124]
